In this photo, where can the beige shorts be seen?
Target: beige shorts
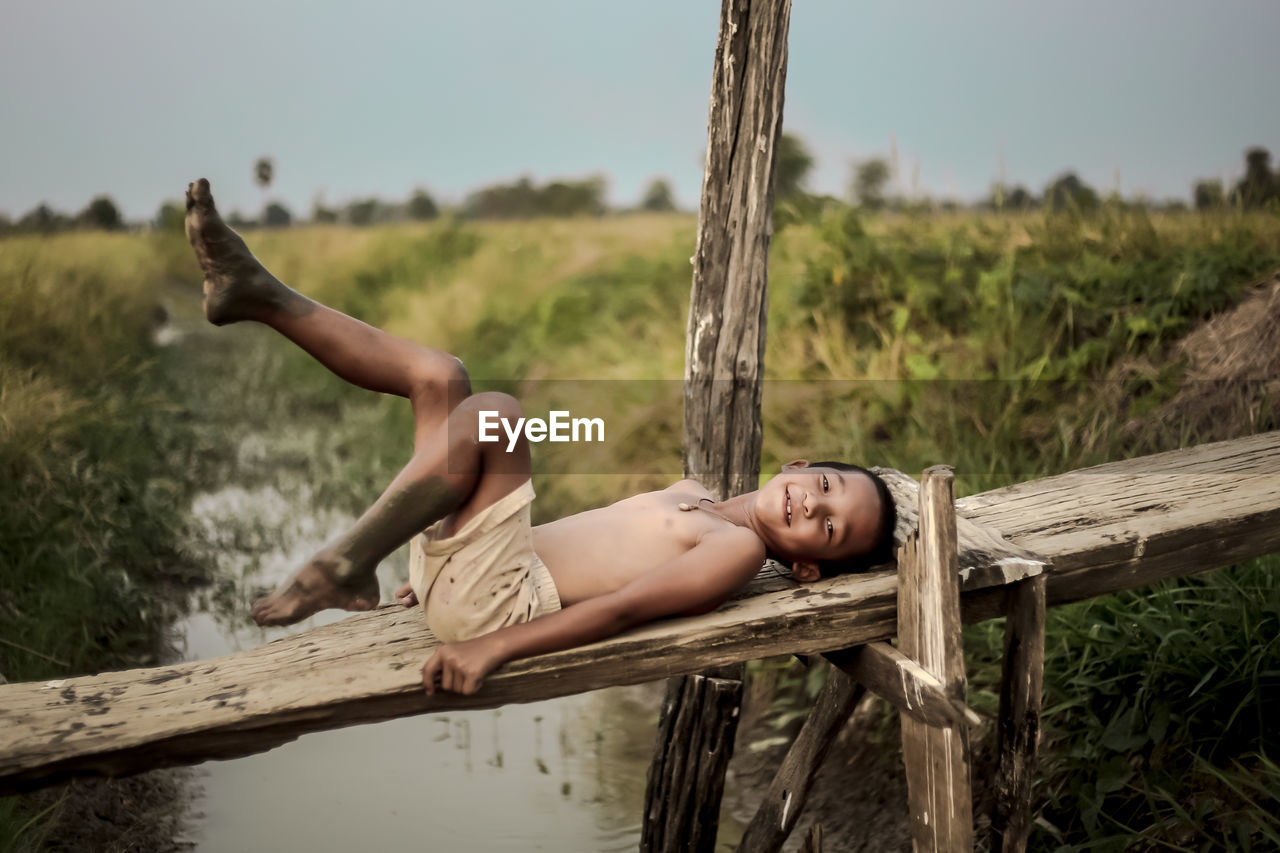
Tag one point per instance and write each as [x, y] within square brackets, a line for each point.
[484, 577]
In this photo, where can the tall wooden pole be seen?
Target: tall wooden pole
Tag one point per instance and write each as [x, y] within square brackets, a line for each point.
[724, 356]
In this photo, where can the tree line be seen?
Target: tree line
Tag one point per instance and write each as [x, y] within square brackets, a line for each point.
[868, 188]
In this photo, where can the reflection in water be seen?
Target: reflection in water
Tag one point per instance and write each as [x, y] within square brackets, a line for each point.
[565, 775]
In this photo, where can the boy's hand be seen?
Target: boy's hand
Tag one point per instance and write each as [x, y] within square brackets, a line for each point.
[406, 596]
[460, 667]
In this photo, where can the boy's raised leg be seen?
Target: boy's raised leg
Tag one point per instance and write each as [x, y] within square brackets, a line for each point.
[238, 287]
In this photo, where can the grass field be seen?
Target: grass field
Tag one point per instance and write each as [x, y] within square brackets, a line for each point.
[1008, 346]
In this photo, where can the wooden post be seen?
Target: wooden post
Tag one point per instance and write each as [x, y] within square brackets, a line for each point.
[1018, 731]
[694, 747]
[936, 757]
[724, 338]
[724, 353]
[780, 810]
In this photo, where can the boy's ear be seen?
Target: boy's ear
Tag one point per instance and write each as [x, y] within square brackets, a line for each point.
[795, 463]
[805, 571]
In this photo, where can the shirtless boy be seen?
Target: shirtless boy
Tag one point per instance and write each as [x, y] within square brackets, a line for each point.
[493, 589]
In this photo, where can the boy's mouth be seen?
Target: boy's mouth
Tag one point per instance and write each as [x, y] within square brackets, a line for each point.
[787, 492]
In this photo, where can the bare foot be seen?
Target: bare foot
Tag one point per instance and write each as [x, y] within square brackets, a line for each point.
[236, 285]
[316, 586]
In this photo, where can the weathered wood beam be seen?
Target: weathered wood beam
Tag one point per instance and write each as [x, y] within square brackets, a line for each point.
[905, 684]
[780, 809]
[695, 737]
[728, 306]
[936, 757]
[1018, 728]
[1219, 504]
[986, 557]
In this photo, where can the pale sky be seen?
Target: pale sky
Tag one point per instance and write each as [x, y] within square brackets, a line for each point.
[134, 99]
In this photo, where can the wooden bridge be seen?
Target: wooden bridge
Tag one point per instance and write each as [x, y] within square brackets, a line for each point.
[1086, 533]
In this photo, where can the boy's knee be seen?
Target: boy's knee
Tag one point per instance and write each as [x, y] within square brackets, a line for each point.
[486, 413]
[439, 378]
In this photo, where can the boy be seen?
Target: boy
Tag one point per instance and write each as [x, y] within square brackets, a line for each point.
[494, 589]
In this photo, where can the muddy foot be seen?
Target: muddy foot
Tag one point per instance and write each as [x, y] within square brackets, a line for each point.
[236, 285]
[315, 587]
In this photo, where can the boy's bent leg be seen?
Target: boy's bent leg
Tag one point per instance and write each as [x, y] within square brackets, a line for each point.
[238, 287]
[451, 472]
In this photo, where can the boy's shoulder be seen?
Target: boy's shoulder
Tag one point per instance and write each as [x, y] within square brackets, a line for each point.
[688, 485]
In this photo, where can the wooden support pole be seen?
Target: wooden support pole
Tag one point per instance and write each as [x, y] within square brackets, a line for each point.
[905, 684]
[724, 345]
[695, 742]
[780, 810]
[936, 757]
[1018, 730]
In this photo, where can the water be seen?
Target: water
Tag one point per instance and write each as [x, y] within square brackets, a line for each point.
[565, 774]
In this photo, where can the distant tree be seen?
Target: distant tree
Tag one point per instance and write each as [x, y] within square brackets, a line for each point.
[264, 170]
[869, 180]
[6, 225]
[658, 197]
[1067, 190]
[276, 215]
[791, 170]
[1208, 194]
[523, 199]
[44, 220]
[101, 213]
[422, 206]
[1258, 186]
[1019, 198]
[363, 212]
[169, 217]
[321, 214]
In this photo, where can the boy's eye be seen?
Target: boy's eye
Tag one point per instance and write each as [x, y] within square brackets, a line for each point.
[825, 486]
[831, 529]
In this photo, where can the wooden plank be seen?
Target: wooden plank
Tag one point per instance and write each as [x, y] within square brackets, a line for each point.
[366, 668]
[986, 557]
[936, 757]
[905, 684]
[783, 803]
[695, 742]
[724, 345]
[1018, 729]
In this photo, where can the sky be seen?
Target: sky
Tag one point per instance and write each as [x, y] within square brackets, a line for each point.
[134, 99]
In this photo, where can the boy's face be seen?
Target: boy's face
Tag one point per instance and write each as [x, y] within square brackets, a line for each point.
[809, 514]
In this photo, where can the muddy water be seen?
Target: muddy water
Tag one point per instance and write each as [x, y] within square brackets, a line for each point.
[565, 775]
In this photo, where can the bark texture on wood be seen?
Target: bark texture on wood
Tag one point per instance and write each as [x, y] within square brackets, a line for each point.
[695, 743]
[813, 841]
[1113, 527]
[724, 341]
[903, 683]
[1018, 729]
[936, 757]
[783, 803]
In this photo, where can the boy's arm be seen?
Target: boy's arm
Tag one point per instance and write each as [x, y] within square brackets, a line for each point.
[696, 581]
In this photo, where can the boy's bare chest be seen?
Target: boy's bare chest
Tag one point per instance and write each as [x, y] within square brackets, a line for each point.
[601, 550]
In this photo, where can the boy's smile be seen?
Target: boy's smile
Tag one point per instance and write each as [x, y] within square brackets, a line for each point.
[806, 514]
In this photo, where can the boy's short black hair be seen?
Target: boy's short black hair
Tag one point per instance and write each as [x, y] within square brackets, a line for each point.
[883, 550]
